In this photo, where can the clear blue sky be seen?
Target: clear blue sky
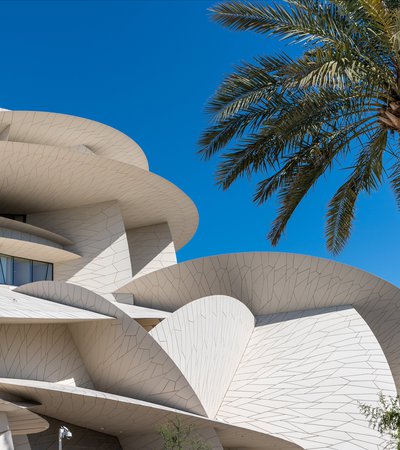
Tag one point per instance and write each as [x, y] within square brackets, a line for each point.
[148, 68]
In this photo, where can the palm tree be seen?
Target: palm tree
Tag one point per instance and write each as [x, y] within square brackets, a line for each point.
[294, 119]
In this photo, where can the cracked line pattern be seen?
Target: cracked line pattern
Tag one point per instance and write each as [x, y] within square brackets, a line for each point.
[265, 282]
[75, 132]
[41, 352]
[206, 340]
[99, 237]
[38, 178]
[122, 416]
[302, 376]
[121, 357]
[269, 283]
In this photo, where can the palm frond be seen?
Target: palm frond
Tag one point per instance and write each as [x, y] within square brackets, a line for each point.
[394, 178]
[310, 22]
[293, 119]
[249, 84]
[366, 176]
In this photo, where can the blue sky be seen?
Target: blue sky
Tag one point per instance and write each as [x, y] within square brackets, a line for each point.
[148, 68]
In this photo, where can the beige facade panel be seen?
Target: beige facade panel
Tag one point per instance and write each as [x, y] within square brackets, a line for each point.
[41, 352]
[259, 351]
[302, 376]
[21, 421]
[32, 230]
[266, 282]
[206, 339]
[27, 246]
[120, 356]
[20, 308]
[139, 312]
[70, 131]
[269, 283]
[126, 417]
[79, 179]
[100, 238]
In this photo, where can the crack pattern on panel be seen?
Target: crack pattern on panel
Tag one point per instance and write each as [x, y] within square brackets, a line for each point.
[302, 376]
[69, 131]
[265, 282]
[41, 352]
[123, 358]
[99, 238]
[206, 339]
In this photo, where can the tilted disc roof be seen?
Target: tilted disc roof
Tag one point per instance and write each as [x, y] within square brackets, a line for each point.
[38, 127]
[39, 178]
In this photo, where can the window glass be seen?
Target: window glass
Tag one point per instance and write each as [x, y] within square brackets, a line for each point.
[49, 275]
[22, 271]
[17, 271]
[6, 269]
[39, 271]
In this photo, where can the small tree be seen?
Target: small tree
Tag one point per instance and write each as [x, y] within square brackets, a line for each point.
[385, 418]
[178, 436]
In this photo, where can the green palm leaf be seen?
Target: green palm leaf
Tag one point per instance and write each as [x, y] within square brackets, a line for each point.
[293, 120]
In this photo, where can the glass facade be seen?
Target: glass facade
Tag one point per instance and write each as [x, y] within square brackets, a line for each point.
[17, 271]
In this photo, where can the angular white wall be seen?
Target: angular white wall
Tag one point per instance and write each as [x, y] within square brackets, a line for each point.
[151, 248]
[98, 236]
[41, 352]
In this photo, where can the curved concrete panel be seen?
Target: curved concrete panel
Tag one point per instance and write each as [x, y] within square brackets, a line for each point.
[206, 339]
[22, 421]
[120, 356]
[80, 179]
[19, 308]
[269, 283]
[265, 282]
[302, 376]
[71, 131]
[32, 230]
[122, 416]
[29, 246]
[41, 352]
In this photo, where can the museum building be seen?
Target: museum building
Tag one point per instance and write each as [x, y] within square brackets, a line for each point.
[102, 331]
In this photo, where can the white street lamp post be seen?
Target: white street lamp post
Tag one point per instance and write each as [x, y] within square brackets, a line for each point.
[63, 432]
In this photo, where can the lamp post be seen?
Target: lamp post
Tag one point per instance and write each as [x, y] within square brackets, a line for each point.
[63, 432]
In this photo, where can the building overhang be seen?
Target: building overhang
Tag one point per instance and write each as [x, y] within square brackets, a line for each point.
[122, 416]
[77, 133]
[80, 178]
[16, 307]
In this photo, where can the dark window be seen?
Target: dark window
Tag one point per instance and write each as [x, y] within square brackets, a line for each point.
[17, 217]
[41, 271]
[17, 271]
[22, 271]
[6, 269]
